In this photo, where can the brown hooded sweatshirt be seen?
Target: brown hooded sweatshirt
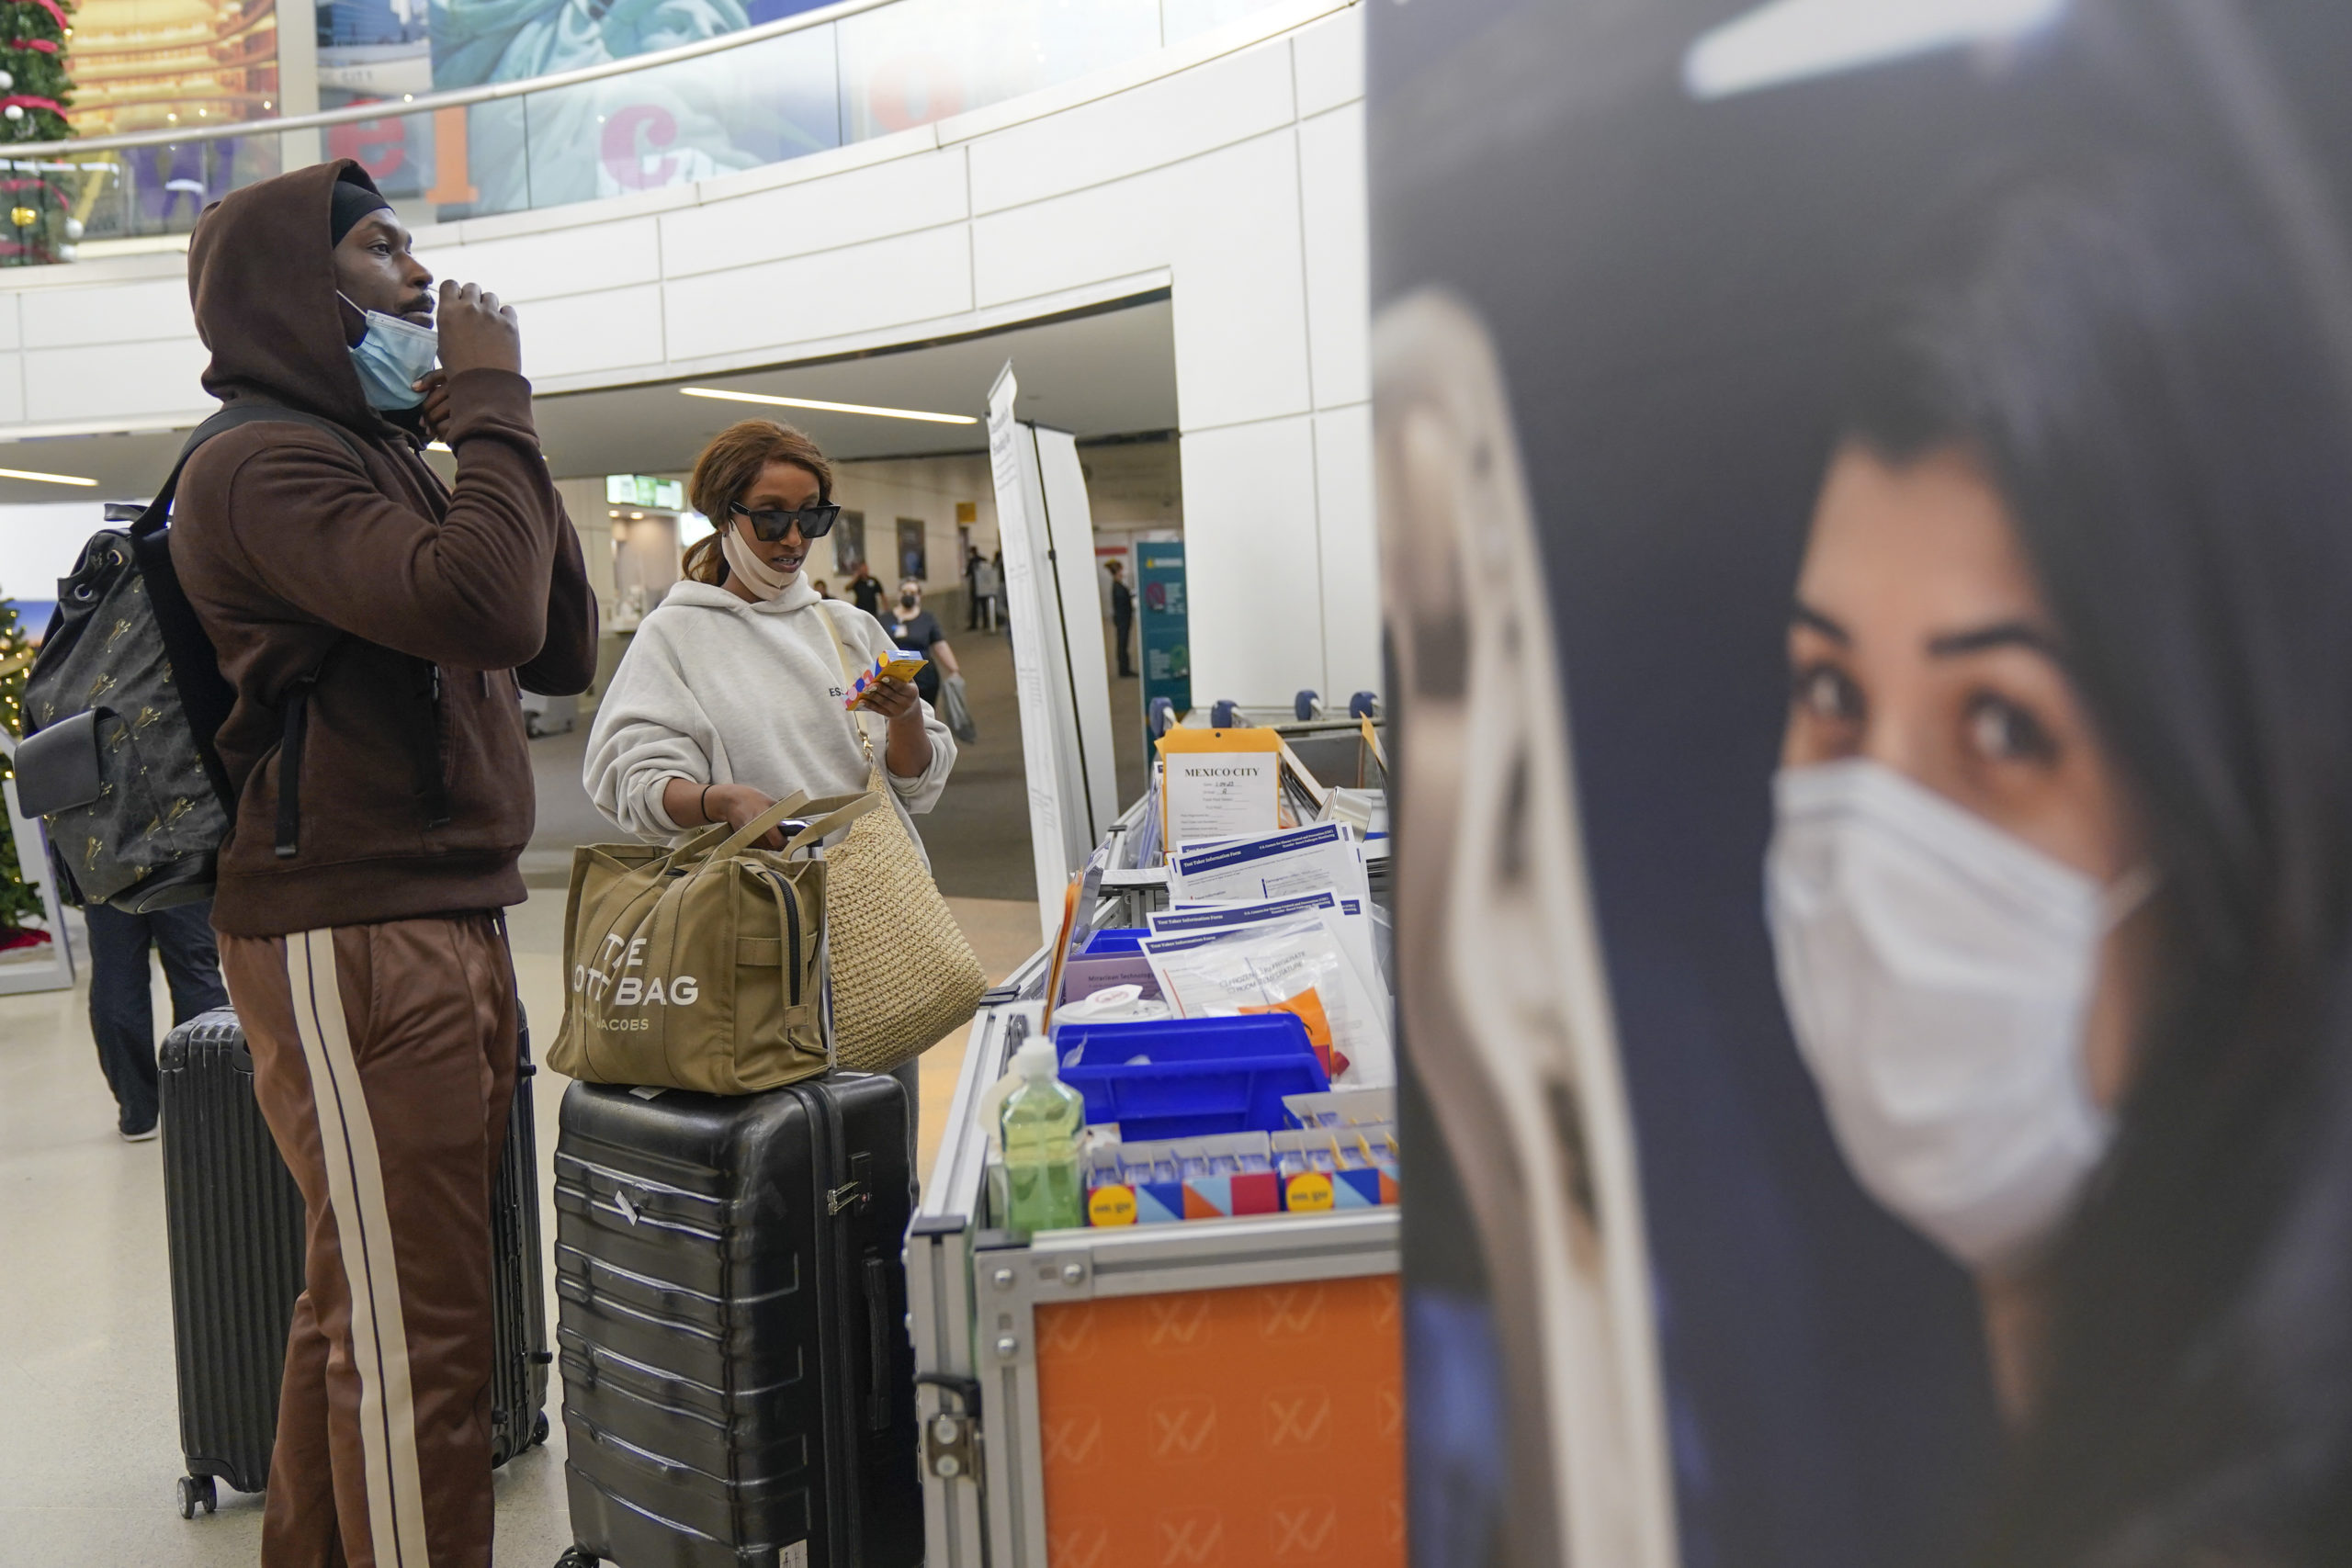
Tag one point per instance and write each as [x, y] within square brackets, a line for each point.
[418, 607]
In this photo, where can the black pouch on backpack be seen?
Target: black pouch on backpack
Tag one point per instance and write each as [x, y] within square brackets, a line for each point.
[58, 768]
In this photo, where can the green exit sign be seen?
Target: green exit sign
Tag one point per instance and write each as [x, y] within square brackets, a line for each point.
[644, 490]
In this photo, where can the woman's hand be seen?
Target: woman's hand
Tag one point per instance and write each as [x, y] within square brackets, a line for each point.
[895, 700]
[908, 755]
[691, 805]
[736, 805]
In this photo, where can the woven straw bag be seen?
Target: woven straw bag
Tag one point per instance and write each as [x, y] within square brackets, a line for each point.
[903, 975]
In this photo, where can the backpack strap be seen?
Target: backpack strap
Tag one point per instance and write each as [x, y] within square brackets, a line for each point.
[196, 669]
[159, 511]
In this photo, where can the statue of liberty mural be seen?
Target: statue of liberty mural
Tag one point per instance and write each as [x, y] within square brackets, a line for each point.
[735, 109]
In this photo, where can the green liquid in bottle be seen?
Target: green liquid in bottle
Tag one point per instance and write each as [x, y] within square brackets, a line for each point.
[1042, 1119]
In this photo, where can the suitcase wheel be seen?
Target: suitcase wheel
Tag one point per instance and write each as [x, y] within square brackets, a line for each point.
[577, 1558]
[539, 1430]
[194, 1490]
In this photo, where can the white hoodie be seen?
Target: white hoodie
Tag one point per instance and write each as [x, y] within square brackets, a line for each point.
[714, 690]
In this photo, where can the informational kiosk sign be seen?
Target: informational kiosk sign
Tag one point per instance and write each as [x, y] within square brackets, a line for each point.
[1048, 535]
[1167, 640]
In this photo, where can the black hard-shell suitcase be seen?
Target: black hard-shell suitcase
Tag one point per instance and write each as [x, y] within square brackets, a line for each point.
[235, 1217]
[738, 1383]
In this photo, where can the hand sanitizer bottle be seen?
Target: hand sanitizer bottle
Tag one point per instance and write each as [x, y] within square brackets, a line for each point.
[1041, 1119]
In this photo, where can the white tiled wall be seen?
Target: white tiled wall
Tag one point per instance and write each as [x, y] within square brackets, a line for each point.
[1232, 167]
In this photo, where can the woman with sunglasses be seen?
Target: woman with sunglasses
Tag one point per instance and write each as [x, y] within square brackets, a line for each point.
[730, 695]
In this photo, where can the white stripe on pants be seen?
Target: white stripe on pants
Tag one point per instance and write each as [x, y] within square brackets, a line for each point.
[364, 1228]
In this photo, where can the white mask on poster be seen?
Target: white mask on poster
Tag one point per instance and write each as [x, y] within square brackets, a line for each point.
[1938, 973]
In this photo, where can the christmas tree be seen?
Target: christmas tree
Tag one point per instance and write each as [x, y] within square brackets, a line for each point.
[18, 897]
[37, 224]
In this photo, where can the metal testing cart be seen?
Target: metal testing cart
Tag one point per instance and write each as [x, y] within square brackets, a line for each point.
[1226, 1390]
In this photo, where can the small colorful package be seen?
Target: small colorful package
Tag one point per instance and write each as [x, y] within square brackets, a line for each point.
[1324, 1168]
[902, 665]
[1180, 1179]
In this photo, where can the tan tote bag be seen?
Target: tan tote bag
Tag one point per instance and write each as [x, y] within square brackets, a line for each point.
[903, 977]
[699, 966]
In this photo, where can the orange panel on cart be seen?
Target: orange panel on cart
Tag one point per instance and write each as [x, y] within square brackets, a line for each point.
[1199, 1428]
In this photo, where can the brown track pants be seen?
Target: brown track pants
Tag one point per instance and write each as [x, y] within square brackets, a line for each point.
[383, 1059]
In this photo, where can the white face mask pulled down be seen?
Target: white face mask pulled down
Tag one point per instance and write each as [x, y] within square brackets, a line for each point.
[765, 581]
[1938, 974]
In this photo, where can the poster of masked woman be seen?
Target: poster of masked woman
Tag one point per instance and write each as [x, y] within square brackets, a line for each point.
[1910, 881]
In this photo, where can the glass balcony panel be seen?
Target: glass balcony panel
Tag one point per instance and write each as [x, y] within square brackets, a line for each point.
[135, 191]
[922, 61]
[692, 120]
[908, 63]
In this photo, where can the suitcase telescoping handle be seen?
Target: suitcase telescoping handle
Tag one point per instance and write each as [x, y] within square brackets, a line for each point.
[877, 1344]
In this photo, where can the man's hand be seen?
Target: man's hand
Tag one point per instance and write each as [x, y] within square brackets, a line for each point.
[435, 408]
[477, 332]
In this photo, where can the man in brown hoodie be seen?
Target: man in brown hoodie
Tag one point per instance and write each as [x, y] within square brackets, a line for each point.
[374, 625]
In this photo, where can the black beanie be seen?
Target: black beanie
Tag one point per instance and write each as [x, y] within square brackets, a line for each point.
[352, 202]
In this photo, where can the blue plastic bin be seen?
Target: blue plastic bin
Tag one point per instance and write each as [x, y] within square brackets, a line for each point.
[1202, 1076]
[1114, 938]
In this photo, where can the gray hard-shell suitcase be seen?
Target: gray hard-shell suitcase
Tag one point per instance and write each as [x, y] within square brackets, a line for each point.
[235, 1217]
[730, 1284]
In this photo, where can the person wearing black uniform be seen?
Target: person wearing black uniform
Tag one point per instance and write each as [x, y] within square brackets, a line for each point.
[1122, 615]
[866, 589]
[912, 627]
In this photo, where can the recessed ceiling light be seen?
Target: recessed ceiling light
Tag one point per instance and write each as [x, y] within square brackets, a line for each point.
[45, 478]
[828, 408]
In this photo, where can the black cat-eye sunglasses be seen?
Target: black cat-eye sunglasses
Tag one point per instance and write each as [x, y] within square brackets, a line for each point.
[771, 523]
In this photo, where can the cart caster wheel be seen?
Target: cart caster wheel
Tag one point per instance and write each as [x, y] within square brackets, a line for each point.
[197, 1491]
[539, 1430]
[577, 1558]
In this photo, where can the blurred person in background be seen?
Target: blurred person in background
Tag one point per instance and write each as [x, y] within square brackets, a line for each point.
[2061, 881]
[986, 590]
[122, 1009]
[909, 626]
[1123, 616]
[866, 590]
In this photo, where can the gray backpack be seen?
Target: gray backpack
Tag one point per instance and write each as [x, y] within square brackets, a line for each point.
[121, 708]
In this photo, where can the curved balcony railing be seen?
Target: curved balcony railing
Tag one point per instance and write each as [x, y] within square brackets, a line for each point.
[562, 121]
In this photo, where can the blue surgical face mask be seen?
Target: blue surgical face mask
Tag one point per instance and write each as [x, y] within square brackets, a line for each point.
[392, 357]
